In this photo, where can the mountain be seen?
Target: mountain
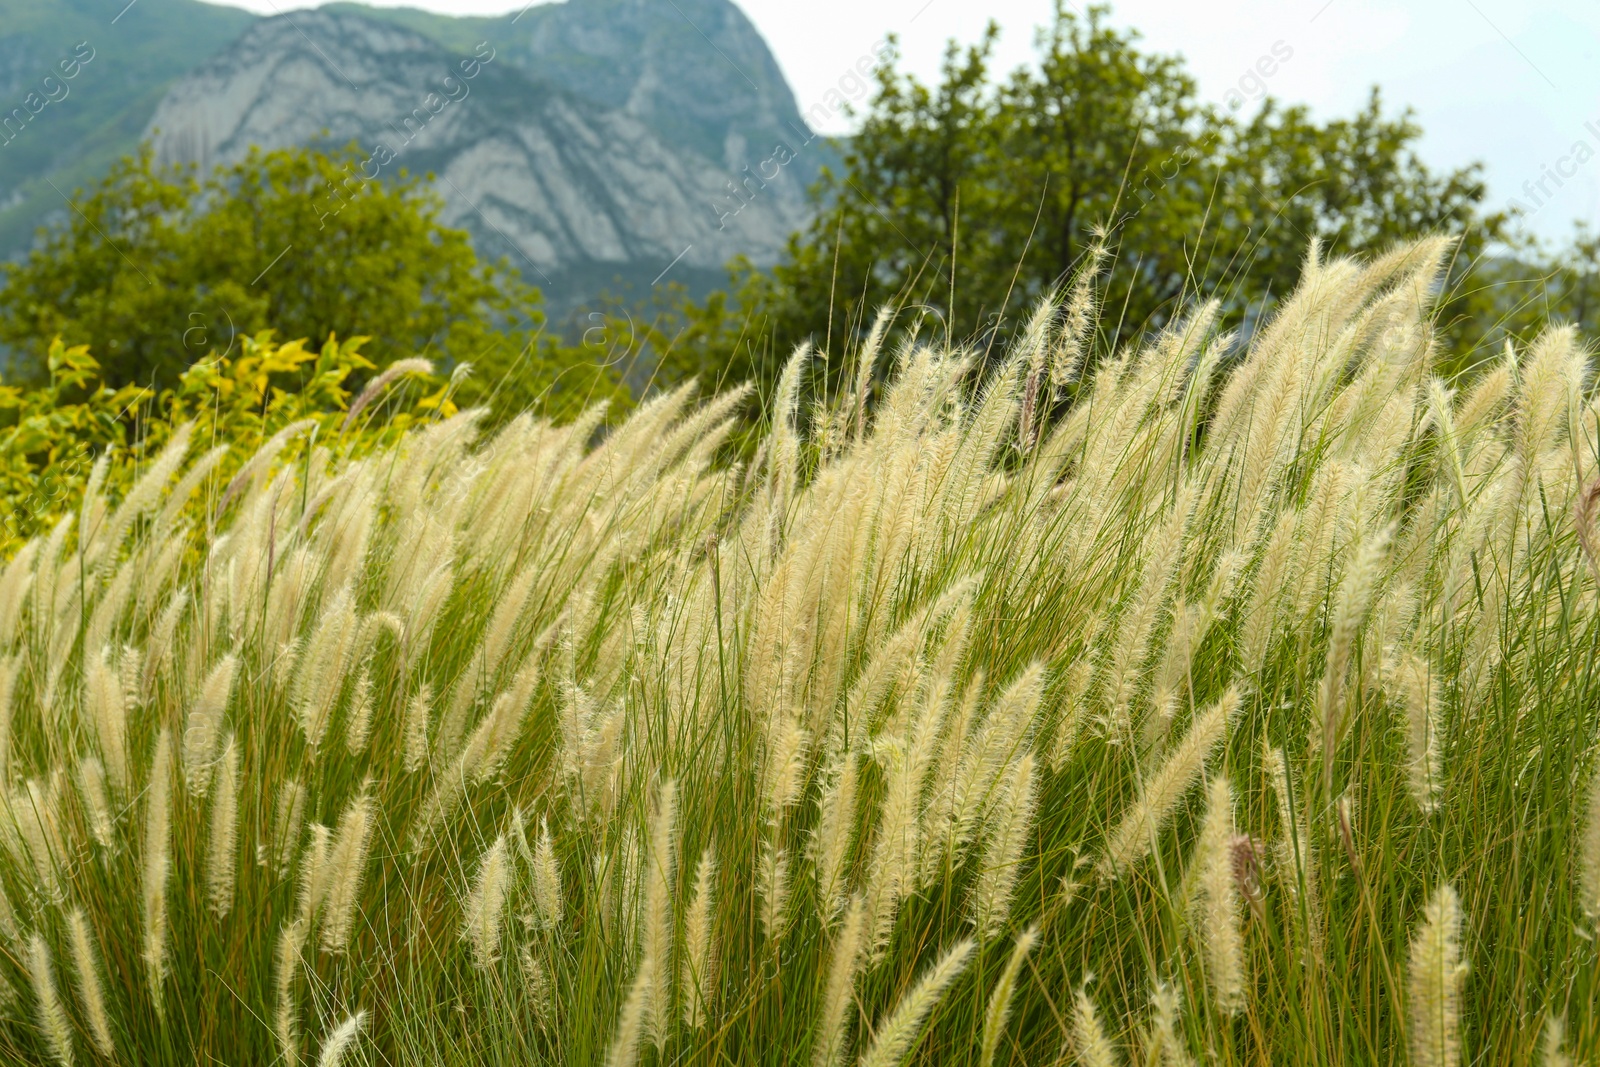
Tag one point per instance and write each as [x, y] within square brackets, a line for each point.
[86, 121]
[579, 177]
[596, 141]
[696, 71]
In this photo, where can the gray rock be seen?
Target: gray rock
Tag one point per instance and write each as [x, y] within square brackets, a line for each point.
[594, 140]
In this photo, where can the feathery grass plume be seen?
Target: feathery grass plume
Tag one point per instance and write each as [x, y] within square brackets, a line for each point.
[1356, 596]
[656, 934]
[1583, 521]
[999, 1010]
[833, 1021]
[1135, 835]
[417, 713]
[1435, 980]
[1077, 317]
[1218, 919]
[889, 876]
[1552, 1045]
[292, 580]
[656, 565]
[144, 495]
[222, 859]
[52, 1016]
[519, 837]
[96, 806]
[286, 825]
[103, 690]
[85, 960]
[35, 816]
[699, 944]
[1070, 699]
[1002, 858]
[158, 649]
[375, 388]
[1031, 348]
[1423, 761]
[772, 885]
[484, 907]
[360, 725]
[320, 673]
[1143, 611]
[487, 748]
[833, 835]
[541, 991]
[900, 1030]
[179, 499]
[1295, 856]
[204, 726]
[785, 764]
[1190, 623]
[8, 927]
[624, 1050]
[1089, 1038]
[1589, 853]
[501, 629]
[547, 905]
[9, 669]
[285, 966]
[314, 873]
[347, 864]
[1163, 1046]
[986, 755]
[157, 847]
[341, 1040]
[15, 582]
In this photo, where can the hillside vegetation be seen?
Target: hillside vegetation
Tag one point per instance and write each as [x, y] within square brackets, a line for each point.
[1161, 707]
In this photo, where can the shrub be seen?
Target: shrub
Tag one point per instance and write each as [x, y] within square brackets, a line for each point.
[54, 434]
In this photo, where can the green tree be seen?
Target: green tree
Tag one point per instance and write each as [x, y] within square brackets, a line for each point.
[966, 201]
[156, 267]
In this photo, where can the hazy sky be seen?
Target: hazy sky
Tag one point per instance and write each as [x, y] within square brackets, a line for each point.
[1514, 84]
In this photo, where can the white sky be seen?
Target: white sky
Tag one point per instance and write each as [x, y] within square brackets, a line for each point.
[1511, 83]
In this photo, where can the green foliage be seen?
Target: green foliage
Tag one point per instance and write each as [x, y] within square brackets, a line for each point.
[54, 434]
[155, 268]
[966, 201]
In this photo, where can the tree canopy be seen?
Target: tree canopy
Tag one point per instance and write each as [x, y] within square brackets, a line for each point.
[967, 200]
[156, 268]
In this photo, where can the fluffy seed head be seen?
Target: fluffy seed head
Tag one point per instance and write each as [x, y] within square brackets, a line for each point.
[484, 908]
[157, 845]
[547, 902]
[85, 960]
[994, 1019]
[1219, 919]
[341, 1040]
[700, 951]
[1435, 980]
[221, 862]
[895, 1035]
[52, 1016]
[1135, 835]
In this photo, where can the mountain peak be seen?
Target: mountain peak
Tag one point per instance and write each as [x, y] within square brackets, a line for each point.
[547, 145]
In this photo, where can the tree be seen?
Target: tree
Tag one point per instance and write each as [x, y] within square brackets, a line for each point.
[155, 268]
[967, 201]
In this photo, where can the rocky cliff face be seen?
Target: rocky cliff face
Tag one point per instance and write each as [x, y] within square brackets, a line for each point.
[585, 141]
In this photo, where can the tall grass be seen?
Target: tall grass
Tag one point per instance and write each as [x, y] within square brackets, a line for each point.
[1238, 707]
